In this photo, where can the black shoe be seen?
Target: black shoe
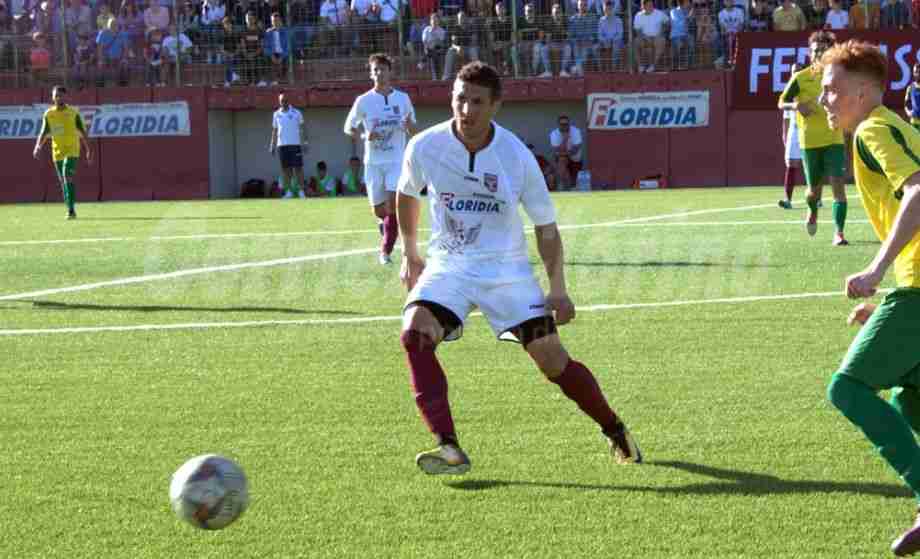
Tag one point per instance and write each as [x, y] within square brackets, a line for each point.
[71, 215]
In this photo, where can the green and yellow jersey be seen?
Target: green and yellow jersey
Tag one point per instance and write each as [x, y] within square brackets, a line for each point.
[805, 86]
[886, 152]
[64, 125]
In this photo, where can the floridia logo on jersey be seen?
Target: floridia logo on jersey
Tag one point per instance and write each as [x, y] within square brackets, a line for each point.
[474, 204]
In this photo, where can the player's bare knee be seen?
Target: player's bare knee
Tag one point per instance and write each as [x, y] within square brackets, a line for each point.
[380, 210]
[549, 355]
[420, 331]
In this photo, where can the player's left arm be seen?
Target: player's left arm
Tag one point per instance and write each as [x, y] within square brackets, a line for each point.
[84, 138]
[303, 134]
[273, 141]
[42, 138]
[409, 123]
[905, 227]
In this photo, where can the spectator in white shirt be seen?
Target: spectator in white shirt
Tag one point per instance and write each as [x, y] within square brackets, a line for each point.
[176, 50]
[837, 18]
[333, 16]
[567, 141]
[610, 37]
[649, 25]
[731, 22]
[434, 37]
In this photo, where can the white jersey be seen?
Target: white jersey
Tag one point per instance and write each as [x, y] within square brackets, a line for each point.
[383, 114]
[473, 200]
[288, 125]
[732, 19]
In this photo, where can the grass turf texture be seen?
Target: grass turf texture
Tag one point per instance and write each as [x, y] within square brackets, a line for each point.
[745, 457]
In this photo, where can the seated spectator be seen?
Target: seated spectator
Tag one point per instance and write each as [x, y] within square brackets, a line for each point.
[434, 39]
[583, 34]
[84, 59]
[549, 174]
[276, 48]
[39, 59]
[789, 17]
[176, 50]
[557, 40]
[761, 16]
[864, 15]
[155, 70]
[649, 26]
[229, 51]
[707, 32]
[155, 16]
[464, 40]
[731, 22]
[322, 184]
[837, 18]
[333, 16]
[414, 44]
[532, 40]
[251, 59]
[682, 42]
[500, 31]
[566, 142]
[353, 178]
[894, 14]
[113, 54]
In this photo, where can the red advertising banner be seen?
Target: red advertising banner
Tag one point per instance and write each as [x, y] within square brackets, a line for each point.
[765, 59]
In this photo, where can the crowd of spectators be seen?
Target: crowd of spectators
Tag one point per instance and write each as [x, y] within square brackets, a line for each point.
[257, 41]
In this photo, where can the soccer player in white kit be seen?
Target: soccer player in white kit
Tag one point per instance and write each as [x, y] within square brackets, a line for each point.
[388, 119]
[289, 136]
[792, 154]
[477, 173]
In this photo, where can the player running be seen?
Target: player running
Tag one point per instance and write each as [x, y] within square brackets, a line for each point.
[822, 148]
[290, 137]
[885, 353]
[791, 152]
[477, 174]
[388, 119]
[64, 125]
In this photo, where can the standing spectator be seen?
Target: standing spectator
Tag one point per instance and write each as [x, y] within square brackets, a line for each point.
[289, 136]
[78, 18]
[155, 17]
[132, 22]
[789, 17]
[155, 71]
[177, 49]
[611, 36]
[546, 168]
[681, 38]
[731, 22]
[276, 48]
[583, 34]
[229, 51]
[333, 16]
[353, 179]
[531, 43]
[210, 24]
[837, 18]
[324, 184]
[894, 14]
[761, 17]
[434, 39]
[557, 40]
[43, 18]
[566, 142]
[864, 15]
[39, 59]
[649, 27]
[707, 33]
[464, 42]
[84, 59]
[500, 35]
[113, 53]
[251, 60]
[816, 15]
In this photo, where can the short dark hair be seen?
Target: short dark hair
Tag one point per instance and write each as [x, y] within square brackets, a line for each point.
[58, 89]
[321, 165]
[380, 58]
[355, 158]
[823, 38]
[483, 75]
[564, 117]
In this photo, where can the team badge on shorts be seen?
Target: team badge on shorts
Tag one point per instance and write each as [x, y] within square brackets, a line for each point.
[490, 181]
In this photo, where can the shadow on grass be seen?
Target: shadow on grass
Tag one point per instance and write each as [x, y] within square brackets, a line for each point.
[179, 218]
[731, 482]
[55, 306]
[657, 264]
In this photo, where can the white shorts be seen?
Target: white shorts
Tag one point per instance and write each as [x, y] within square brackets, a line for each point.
[504, 303]
[381, 178]
[792, 146]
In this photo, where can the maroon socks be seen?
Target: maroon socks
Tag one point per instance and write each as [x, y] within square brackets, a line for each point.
[429, 384]
[390, 233]
[789, 182]
[577, 382]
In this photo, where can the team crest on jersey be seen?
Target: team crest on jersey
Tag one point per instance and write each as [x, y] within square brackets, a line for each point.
[396, 110]
[490, 181]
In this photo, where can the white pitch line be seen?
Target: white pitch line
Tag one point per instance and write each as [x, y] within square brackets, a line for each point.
[394, 318]
[667, 216]
[189, 272]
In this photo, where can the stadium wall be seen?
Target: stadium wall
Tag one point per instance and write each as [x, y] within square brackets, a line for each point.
[230, 130]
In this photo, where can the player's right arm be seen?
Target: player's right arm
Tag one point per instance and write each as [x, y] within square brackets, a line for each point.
[408, 193]
[788, 100]
[353, 120]
[273, 141]
[42, 138]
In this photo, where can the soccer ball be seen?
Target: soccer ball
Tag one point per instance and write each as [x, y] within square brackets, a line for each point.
[209, 492]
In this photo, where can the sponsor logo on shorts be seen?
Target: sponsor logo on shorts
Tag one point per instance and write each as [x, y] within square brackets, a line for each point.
[540, 306]
[471, 179]
[490, 181]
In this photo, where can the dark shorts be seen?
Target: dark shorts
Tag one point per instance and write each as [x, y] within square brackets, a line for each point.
[822, 163]
[524, 333]
[291, 157]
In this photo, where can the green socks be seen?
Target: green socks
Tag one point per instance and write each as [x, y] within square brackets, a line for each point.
[839, 211]
[886, 428]
[812, 204]
[69, 197]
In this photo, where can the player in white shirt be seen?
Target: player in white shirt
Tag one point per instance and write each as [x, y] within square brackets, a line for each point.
[792, 153]
[477, 174]
[289, 136]
[388, 119]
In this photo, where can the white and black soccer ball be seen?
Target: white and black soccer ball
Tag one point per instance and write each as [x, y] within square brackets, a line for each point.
[209, 492]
